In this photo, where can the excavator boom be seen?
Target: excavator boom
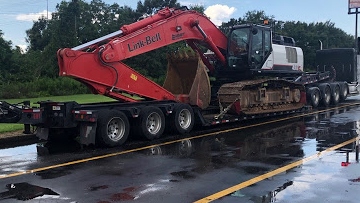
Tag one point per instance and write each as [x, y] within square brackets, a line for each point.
[98, 63]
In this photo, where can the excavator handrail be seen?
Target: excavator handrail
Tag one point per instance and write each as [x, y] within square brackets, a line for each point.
[98, 40]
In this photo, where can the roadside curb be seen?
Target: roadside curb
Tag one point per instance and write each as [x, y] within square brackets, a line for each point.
[18, 140]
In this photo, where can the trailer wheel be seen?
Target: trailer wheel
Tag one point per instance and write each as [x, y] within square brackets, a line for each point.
[182, 120]
[151, 123]
[335, 93]
[113, 128]
[344, 91]
[325, 92]
[314, 96]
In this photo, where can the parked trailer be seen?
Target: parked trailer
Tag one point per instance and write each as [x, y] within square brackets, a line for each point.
[108, 123]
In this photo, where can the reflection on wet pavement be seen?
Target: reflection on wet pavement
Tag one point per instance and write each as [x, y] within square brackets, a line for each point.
[322, 131]
[260, 150]
[272, 145]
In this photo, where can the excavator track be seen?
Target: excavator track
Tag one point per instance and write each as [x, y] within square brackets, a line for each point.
[260, 96]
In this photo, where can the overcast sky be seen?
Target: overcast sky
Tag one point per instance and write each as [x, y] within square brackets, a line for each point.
[16, 16]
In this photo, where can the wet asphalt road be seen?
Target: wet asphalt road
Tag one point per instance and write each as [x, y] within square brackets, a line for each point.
[192, 169]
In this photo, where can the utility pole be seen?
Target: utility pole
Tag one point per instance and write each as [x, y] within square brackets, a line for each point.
[354, 6]
[47, 9]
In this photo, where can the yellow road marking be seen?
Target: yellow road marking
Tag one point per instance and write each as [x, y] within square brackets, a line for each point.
[271, 173]
[3, 176]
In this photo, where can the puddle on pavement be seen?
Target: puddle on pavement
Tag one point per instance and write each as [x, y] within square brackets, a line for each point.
[268, 197]
[259, 150]
[25, 191]
[27, 152]
[318, 132]
[271, 145]
[57, 147]
[255, 169]
[229, 148]
[17, 159]
[54, 173]
[271, 195]
[100, 187]
[183, 174]
[127, 194]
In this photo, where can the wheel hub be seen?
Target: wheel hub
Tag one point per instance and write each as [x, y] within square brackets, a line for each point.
[116, 129]
[153, 123]
[185, 118]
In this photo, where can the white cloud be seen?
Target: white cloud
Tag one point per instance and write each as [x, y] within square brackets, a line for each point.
[33, 16]
[219, 13]
[191, 3]
[23, 47]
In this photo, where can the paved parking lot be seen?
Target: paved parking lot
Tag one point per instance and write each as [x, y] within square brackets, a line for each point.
[304, 159]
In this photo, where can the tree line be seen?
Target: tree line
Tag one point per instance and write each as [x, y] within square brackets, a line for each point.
[34, 73]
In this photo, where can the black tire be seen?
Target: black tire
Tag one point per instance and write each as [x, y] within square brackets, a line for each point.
[344, 91]
[335, 93]
[182, 120]
[325, 92]
[151, 123]
[313, 95]
[112, 128]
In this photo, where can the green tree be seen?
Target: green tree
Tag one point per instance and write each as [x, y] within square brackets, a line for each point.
[255, 17]
[153, 64]
[6, 64]
[38, 36]
[99, 19]
[152, 6]
[26, 65]
[74, 23]
[307, 36]
[198, 8]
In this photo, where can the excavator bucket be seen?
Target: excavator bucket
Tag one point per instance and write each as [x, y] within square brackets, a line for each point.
[187, 78]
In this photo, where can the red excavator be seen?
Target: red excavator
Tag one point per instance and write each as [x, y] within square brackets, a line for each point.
[254, 73]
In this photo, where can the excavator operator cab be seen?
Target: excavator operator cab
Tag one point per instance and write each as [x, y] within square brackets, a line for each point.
[248, 47]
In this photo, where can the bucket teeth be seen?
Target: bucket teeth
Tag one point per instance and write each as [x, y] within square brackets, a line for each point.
[183, 56]
[186, 75]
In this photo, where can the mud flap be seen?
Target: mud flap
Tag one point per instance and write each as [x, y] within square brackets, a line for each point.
[87, 133]
[42, 133]
[187, 78]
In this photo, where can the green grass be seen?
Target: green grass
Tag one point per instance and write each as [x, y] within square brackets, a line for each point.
[4, 127]
[81, 99]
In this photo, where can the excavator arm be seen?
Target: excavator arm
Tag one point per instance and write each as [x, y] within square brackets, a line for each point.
[98, 64]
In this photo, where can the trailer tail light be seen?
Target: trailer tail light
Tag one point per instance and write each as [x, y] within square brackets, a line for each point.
[31, 116]
[84, 115]
[33, 113]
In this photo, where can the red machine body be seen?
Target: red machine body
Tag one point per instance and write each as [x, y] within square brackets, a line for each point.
[103, 71]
